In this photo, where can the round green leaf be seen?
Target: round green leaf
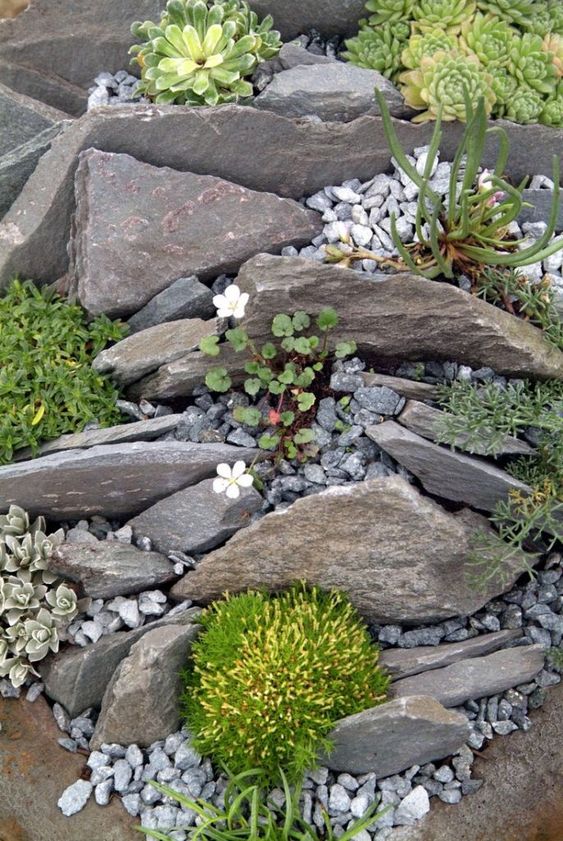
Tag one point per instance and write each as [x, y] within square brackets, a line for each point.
[275, 387]
[288, 344]
[252, 386]
[268, 442]
[269, 351]
[237, 338]
[327, 319]
[210, 345]
[217, 379]
[304, 436]
[301, 320]
[287, 418]
[287, 376]
[282, 325]
[306, 401]
[302, 346]
[344, 349]
[248, 415]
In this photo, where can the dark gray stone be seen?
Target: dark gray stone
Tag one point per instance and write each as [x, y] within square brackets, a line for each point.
[171, 224]
[401, 662]
[108, 568]
[477, 677]
[541, 201]
[196, 519]
[407, 388]
[248, 146]
[443, 471]
[77, 677]
[335, 92]
[396, 735]
[330, 17]
[185, 298]
[294, 54]
[17, 165]
[117, 480]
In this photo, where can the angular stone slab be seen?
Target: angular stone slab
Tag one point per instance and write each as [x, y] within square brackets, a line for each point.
[403, 662]
[250, 147]
[477, 677]
[425, 420]
[334, 92]
[147, 681]
[397, 554]
[115, 480]
[185, 298]
[331, 17]
[77, 677]
[138, 228]
[196, 519]
[444, 472]
[23, 118]
[18, 165]
[396, 735]
[411, 389]
[140, 354]
[415, 319]
[540, 201]
[109, 568]
[145, 430]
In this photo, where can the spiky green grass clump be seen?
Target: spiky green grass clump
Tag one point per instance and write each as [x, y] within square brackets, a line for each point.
[271, 675]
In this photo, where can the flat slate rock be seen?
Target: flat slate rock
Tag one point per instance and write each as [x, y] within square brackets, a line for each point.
[138, 228]
[443, 471]
[403, 662]
[117, 480]
[245, 145]
[425, 420]
[16, 166]
[108, 568]
[77, 677]
[145, 430]
[334, 92]
[476, 677]
[396, 735]
[23, 118]
[147, 681]
[541, 202]
[142, 353]
[411, 389]
[186, 297]
[196, 519]
[397, 554]
[330, 17]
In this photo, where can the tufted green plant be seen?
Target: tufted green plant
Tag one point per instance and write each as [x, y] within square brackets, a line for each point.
[518, 12]
[489, 38]
[531, 64]
[376, 49]
[448, 15]
[426, 45]
[384, 11]
[525, 106]
[202, 51]
[552, 113]
[272, 674]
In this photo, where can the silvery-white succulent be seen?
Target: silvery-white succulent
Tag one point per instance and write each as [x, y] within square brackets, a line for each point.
[21, 597]
[16, 521]
[42, 635]
[62, 601]
[17, 670]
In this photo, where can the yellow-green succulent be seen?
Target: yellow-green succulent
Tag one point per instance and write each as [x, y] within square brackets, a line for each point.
[489, 38]
[375, 49]
[424, 45]
[531, 64]
[448, 15]
[519, 12]
[389, 10]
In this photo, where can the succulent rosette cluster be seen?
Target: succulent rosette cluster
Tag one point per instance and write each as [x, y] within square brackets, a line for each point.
[508, 51]
[35, 606]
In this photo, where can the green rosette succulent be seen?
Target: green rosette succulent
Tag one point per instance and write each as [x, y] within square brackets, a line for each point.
[488, 38]
[531, 64]
[552, 113]
[519, 12]
[388, 11]
[375, 49]
[448, 15]
[504, 88]
[555, 8]
[525, 106]
[442, 82]
[426, 45]
[541, 22]
[553, 44]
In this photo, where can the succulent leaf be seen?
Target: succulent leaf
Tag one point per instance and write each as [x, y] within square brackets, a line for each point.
[427, 44]
[488, 38]
[513, 11]
[445, 15]
[391, 11]
[531, 64]
[375, 49]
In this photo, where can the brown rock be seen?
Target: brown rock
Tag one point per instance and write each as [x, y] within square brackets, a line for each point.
[398, 555]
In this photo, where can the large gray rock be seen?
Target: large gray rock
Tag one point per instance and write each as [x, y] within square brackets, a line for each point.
[403, 662]
[171, 224]
[443, 471]
[406, 388]
[115, 480]
[477, 677]
[140, 354]
[185, 298]
[335, 92]
[398, 555]
[23, 118]
[331, 17]
[109, 568]
[196, 519]
[148, 684]
[248, 146]
[425, 420]
[396, 735]
[16, 166]
[77, 677]
[540, 207]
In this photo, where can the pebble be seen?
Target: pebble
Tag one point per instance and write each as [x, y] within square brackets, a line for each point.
[413, 807]
[75, 797]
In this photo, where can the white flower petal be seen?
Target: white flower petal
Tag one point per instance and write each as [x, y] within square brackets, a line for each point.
[220, 301]
[233, 491]
[240, 307]
[220, 485]
[245, 481]
[232, 293]
[239, 468]
[224, 470]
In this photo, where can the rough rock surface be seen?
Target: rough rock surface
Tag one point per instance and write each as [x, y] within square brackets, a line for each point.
[335, 91]
[185, 298]
[34, 235]
[411, 389]
[117, 480]
[477, 677]
[443, 471]
[147, 682]
[109, 568]
[540, 201]
[415, 319]
[138, 228]
[403, 662]
[396, 735]
[16, 166]
[140, 354]
[196, 519]
[331, 17]
[398, 555]
[77, 677]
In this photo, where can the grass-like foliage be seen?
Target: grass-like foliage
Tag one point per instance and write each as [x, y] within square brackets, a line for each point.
[271, 675]
[47, 384]
[248, 814]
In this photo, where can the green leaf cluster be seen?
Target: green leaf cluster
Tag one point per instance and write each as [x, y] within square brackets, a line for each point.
[202, 51]
[47, 384]
[508, 52]
[271, 674]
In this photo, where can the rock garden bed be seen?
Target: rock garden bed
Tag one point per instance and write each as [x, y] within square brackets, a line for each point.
[301, 351]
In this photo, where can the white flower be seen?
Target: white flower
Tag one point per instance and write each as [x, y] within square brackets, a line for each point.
[230, 480]
[231, 303]
[484, 181]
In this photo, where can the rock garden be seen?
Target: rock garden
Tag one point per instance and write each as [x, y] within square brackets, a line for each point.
[281, 412]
